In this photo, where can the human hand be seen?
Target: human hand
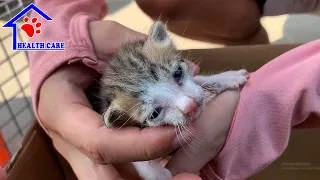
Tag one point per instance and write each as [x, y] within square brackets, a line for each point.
[211, 21]
[108, 36]
[211, 131]
[69, 118]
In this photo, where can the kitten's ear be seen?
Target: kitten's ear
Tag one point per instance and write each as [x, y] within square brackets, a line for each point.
[158, 34]
[111, 116]
[116, 117]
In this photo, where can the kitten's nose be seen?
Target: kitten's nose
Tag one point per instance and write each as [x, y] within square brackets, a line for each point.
[186, 104]
[190, 108]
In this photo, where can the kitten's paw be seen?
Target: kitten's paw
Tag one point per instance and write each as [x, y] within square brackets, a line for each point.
[243, 72]
[235, 73]
[237, 78]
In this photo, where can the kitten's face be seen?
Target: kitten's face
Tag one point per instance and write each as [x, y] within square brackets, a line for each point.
[150, 84]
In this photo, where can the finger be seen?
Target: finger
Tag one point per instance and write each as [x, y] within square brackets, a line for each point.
[133, 144]
[108, 36]
[186, 176]
[214, 126]
[82, 166]
[111, 145]
[132, 35]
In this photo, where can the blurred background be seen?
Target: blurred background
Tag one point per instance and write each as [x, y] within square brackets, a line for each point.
[16, 112]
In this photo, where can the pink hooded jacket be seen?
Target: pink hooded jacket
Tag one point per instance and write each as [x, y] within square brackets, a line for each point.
[281, 94]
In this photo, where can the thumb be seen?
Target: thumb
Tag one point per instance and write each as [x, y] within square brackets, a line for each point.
[186, 176]
[108, 36]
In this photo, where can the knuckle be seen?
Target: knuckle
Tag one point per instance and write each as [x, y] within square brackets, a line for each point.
[112, 23]
[150, 153]
[156, 149]
[92, 151]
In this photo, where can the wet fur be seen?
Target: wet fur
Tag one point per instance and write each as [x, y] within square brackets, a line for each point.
[139, 77]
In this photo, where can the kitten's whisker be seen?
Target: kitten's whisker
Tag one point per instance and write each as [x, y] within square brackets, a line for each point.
[194, 131]
[197, 62]
[189, 130]
[213, 100]
[171, 49]
[188, 143]
[188, 55]
[181, 143]
[124, 123]
[166, 23]
[97, 96]
[192, 140]
[184, 30]
[216, 104]
[197, 137]
[124, 113]
[177, 55]
[159, 17]
[205, 173]
[185, 140]
[211, 170]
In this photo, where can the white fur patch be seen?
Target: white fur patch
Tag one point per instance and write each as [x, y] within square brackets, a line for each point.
[152, 170]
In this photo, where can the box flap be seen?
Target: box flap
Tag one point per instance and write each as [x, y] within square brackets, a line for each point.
[35, 159]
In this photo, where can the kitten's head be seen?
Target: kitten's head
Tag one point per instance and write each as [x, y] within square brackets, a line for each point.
[150, 84]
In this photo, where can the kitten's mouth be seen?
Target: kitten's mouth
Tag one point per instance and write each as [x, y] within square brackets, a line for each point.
[198, 113]
[195, 115]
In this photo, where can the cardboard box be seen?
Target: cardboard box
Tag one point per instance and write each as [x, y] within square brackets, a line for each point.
[37, 159]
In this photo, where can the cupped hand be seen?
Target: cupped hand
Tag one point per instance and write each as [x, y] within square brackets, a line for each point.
[78, 131]
[210, 131]
[108, 36]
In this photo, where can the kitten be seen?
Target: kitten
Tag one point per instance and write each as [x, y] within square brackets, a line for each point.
[150, 84]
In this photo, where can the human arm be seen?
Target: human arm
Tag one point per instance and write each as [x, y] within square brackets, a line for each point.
[279, 96]
[210, 131]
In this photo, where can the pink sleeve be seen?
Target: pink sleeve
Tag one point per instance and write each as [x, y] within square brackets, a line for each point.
[278, 96]
[70, 25]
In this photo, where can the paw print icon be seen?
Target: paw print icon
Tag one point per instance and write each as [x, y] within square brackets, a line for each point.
[31, 27]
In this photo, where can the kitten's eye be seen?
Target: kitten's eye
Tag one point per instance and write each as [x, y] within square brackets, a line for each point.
[156, 113]
[177, 75]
